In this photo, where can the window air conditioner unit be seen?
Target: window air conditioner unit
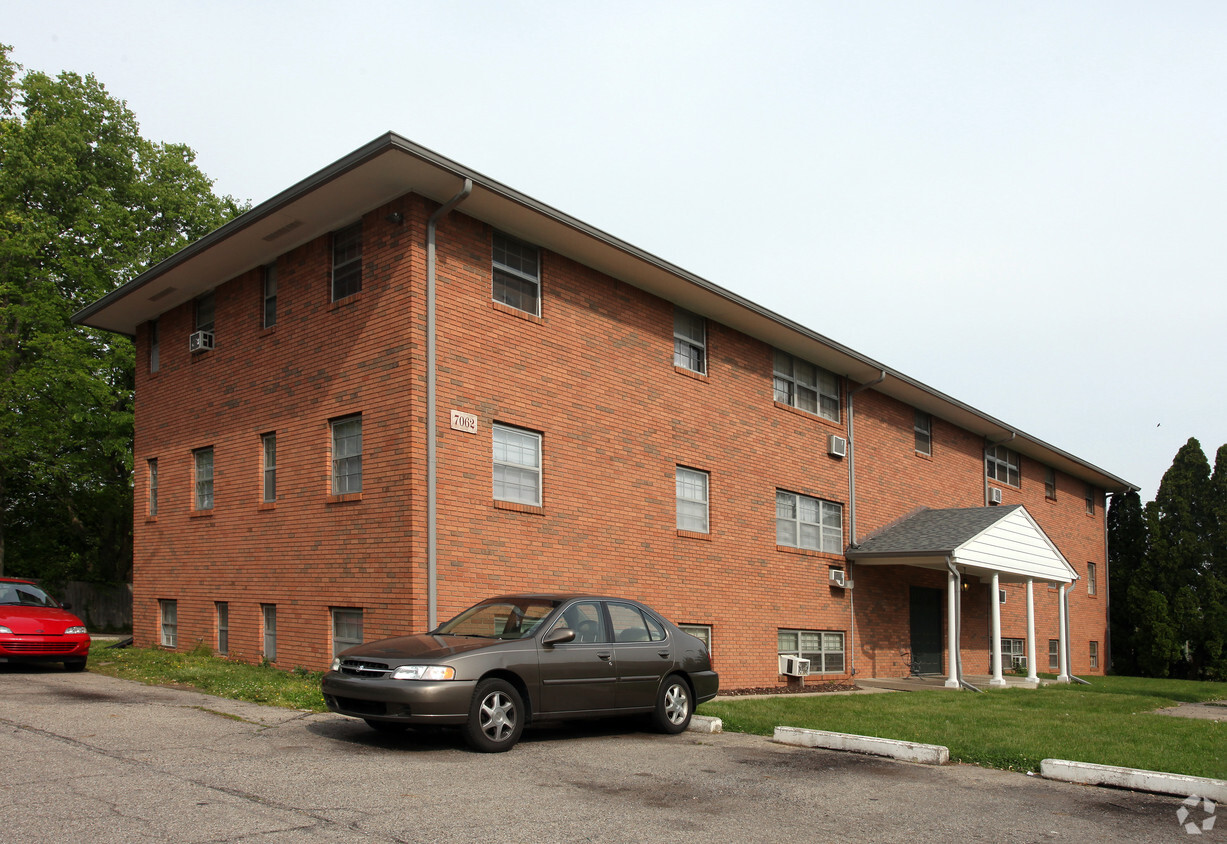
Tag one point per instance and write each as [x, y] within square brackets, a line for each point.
[1018, 661]
[838, 579]
[837, 446]
[794, 666]
[994, 496]
[200, 341]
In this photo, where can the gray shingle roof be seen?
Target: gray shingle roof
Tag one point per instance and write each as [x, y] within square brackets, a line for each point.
[930, 532]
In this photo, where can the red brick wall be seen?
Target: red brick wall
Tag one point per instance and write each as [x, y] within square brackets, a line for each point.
[594, 375]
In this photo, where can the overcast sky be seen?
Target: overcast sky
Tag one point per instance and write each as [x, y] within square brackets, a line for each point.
[1023, 205]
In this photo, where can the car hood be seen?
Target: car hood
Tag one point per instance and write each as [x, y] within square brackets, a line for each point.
[35, 620]
[425, 646]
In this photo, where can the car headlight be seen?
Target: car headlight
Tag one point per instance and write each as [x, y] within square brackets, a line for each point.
[73, 631]
[424, 672]
[4, 629]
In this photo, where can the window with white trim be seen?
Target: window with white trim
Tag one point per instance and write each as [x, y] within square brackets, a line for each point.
[223, 627]
[346, 628]
[922, 427]
[346, 261]
[152, 467]
[269, 299]
[804, 522]
[1050, 483]
[1090, 500]
[1092, 587]
[1011, 648]
[807, 387]
[1002, 465]
[702, 632]
[202, 459]
[823, 648]
[692, 500]
[268, 443]
[689, 341]
[517, 465]
[205, 309]
[346, 455]
[517, 274]
[168, 619]
[1094, 647]
[1054, 654]
[268, 613]
[154, 349]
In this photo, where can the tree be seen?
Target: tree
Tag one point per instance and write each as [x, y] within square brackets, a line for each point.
[1127, 550]
[85, 204]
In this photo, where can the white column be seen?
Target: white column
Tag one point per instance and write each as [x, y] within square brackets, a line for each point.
[952, 615]
[1032, 659]
[1063, 674]
[995, 602]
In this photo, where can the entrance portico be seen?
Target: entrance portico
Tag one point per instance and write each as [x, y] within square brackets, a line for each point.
[994, 545]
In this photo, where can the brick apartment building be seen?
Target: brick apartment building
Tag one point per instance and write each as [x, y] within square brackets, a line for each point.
[599, 419]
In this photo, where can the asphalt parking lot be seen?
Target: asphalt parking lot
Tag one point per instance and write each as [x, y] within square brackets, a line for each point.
[91, 758]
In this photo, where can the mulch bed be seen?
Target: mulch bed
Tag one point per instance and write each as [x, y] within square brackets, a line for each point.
[808, 688]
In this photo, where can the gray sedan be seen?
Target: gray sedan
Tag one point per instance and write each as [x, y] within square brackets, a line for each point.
[509, 660]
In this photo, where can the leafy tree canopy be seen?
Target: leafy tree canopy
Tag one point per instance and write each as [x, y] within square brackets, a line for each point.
[86, 203]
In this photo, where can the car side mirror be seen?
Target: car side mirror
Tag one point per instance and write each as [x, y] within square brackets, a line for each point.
[558, 636]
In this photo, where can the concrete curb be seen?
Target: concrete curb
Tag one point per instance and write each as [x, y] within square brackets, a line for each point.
[1153, 781]
[906, 751]
[705, 724]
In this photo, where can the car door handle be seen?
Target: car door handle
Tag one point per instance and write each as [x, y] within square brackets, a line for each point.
[605, 655]
[663, 654]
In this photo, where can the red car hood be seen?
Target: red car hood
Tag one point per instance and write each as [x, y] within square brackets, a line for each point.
[34, 620]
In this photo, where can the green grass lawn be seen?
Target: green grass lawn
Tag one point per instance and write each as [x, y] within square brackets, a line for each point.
[1110, 722]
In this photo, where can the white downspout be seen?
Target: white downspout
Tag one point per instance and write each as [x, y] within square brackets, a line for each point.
[432, 423]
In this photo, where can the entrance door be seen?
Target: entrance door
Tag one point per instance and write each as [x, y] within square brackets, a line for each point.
[926, 627]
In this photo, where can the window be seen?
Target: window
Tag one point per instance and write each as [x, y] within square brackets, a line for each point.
[1094, 654]
[1050, 483]
[632, 625]
[204, 312]
[1092, 588]
[517, 466]
[824, 650]
[269, 280]
[1090, 500]
[691, 500]
[804, 522]
[1054, 659]
[347, 455]
[346, 261]
[223, 627]
[1001, 464]
[1011, 648]
[269, 441]
[169, 620]
[152, 467]
[806, 387]
[154, 351]
[689, 341]
[346, 629]
[702, 632]
[517, 274]
[203, 459]
[269, 612]
[923, 428]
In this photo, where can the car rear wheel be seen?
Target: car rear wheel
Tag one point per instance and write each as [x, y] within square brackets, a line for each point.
[673, 706]
[496, 717]
[74, 665]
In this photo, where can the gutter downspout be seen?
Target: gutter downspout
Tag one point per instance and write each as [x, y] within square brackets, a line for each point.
[1068, 661]
[1107, 592]
[432, 424]
[852, 520]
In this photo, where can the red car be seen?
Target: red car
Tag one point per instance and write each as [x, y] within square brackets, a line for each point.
[35, 628]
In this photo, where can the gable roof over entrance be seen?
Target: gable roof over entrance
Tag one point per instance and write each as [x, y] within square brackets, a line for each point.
[977, 540]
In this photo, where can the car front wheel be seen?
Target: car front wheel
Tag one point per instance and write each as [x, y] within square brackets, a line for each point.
[74, 665]
[496, 717]
[673, 706]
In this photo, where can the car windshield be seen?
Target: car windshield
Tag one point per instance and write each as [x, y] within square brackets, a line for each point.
[506, 619]
[25, 595]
